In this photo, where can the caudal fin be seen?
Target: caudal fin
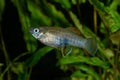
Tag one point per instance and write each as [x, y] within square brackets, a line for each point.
[91, 46]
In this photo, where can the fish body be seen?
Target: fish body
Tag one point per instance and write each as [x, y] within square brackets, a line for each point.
[60, 37]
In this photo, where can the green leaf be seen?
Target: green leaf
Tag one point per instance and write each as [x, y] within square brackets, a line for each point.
[115, 39]
[24, 75]
[110, 20]
[76, 1]
[98, 5]
[2, 5]
[37, 56]
[76, 22]
[21, 70]
[109, 53]
[78, 74]
[83, 29]
[109, 16]
[64, 3]
[89, 71]
[115, 25]
[18, 68]
[37, 16]
[56, 16]
[114, 5]
[94, 61]
[25, 23]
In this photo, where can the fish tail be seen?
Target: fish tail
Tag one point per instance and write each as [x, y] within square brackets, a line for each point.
[91, 46]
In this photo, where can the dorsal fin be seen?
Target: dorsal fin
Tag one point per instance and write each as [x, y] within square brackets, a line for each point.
[74, 30]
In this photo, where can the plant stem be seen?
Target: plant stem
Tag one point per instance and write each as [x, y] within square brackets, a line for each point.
[5, 53]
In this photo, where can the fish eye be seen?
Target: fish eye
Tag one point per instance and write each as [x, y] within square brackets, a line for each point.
[36, 30]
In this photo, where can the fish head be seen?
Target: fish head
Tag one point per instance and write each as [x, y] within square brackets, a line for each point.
[37, 33]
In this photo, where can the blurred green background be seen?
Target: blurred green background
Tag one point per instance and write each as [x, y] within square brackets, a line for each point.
[24, 58]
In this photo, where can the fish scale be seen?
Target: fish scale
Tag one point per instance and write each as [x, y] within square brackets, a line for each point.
[60, 37]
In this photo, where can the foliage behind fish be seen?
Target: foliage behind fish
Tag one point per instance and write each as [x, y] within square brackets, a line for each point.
[60, 37]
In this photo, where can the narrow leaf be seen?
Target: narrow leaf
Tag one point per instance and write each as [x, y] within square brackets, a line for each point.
[89, 71]
[94, 61]
[37, 56]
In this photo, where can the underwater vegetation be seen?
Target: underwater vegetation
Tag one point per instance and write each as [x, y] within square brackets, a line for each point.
[66, 22]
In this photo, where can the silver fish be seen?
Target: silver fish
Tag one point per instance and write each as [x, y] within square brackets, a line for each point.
[60, 37]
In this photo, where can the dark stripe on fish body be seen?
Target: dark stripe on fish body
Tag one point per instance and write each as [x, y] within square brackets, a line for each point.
[77, 41]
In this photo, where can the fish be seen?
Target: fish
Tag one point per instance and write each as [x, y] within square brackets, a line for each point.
[58, 37]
